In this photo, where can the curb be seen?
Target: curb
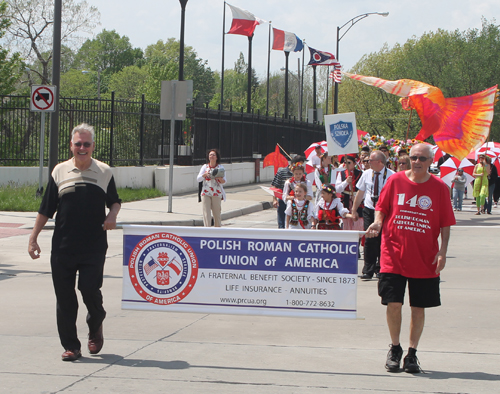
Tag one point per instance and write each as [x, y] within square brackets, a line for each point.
[191, 222]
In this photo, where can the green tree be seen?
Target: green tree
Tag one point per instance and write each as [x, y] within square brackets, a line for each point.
[76, 84]
[35, 70]
[129, 83]
[108, 52]
[30, 31]
[235, 87]
[9, 65]
[162, 64]
[459, 63]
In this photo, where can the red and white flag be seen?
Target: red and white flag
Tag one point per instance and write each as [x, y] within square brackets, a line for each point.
[337, 74]
[244, 22]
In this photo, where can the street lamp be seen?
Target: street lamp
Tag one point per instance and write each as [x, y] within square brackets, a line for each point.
[352, 22]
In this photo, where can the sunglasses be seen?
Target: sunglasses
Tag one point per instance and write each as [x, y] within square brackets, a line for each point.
[419, 158]
[366, 161]
[402, 164]
[85, 144]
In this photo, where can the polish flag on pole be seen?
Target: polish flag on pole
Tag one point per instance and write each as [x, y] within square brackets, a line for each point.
[286, 41]
[244, 22]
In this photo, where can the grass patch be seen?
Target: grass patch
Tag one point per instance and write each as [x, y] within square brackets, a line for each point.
[23, 198]
[128, 194]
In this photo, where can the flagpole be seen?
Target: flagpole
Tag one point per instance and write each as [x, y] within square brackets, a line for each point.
[336, 93]
[315, 115]
[268, 68]
[286, 83]
[327, 85]
[333, 82]
[409, 122]
[223, 49]
[284, 151]
[249, 90]
[302, 82]
[299, 104]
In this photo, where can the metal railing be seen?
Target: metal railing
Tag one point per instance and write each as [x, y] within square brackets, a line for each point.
[130, 133]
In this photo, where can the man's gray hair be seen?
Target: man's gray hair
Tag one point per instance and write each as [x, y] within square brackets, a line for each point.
[427, 146]
[380, 156]
[83, 128]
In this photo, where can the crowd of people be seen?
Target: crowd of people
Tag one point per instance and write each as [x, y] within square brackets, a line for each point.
[391, 200]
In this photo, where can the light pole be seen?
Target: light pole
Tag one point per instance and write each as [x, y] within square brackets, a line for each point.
[297, 77]
[178, 124]
[352, 22]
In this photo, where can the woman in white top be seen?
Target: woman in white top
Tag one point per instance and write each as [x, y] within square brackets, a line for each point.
[324, 173]
[212, 192]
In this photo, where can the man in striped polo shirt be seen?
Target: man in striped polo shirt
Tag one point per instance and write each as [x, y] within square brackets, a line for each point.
[79, 190]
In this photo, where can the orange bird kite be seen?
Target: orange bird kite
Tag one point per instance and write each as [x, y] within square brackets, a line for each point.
[459, 125]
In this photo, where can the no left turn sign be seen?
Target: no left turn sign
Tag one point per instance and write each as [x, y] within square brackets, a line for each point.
[42, 98]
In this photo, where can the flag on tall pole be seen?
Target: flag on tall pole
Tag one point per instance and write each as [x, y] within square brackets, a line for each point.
[320, 58]
[286, 41]
[244, 22]
[336, 74]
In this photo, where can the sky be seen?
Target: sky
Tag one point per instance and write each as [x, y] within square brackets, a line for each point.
[315, 21]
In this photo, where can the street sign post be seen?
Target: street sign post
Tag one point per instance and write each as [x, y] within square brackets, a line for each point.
[174, 97]
[42, 100]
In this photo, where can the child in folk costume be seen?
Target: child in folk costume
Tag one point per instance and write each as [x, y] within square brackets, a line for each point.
[329, 210]
[298, 172]
[325, 173]
[299, 211]
[346, 185]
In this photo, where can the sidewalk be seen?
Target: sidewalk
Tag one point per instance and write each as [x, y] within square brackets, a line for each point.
[186, 211]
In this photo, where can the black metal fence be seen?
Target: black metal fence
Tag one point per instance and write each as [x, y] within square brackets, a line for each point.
[130, 133]
[238, 135]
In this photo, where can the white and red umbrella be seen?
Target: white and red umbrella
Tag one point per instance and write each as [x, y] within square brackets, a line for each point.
[450, 167]
[491, 149]
[491, 144]
[438, 153]
[494, 153]
[310, 152]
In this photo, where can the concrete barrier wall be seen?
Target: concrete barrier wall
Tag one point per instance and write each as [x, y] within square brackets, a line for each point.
[185, 177]
[150, 176]
[21, 175]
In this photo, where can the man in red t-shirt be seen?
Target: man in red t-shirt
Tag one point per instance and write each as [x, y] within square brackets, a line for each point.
[414, 209]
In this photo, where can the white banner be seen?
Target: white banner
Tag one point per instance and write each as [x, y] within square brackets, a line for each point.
[341, 133]
[240, 271]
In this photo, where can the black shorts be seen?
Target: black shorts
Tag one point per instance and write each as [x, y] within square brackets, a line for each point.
[424, 293]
